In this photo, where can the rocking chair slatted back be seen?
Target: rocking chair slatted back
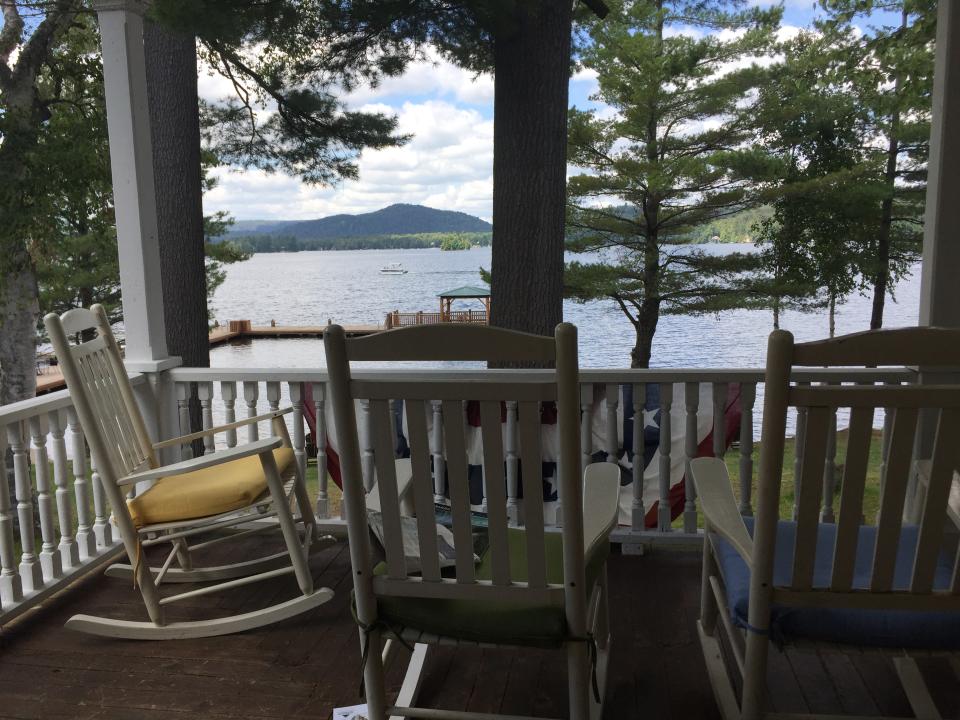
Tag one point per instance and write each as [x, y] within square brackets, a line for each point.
[931, 347]
[102, 392]
[452, 343]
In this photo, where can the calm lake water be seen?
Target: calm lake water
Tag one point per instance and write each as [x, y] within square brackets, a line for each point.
[308, 288]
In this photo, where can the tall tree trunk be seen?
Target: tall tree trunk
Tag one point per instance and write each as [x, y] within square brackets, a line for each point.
[531, 68]
[776, 313]
[881, 280]
[19, 312]
[175, 128]
[646, 328]
[171, 65]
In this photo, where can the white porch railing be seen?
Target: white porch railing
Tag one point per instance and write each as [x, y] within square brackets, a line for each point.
[55, 524]
[226, 393]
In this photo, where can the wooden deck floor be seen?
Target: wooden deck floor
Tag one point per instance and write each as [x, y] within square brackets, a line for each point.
[307, 666]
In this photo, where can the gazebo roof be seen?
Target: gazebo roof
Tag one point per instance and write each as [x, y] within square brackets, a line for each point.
[467, 291]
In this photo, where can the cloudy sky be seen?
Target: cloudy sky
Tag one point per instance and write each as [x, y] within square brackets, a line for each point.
[447, 164]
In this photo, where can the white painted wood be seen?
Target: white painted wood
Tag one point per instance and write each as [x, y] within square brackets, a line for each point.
[251, 394]
[719, 505]
[586, 424]
[945, 461]
[612, 402]
[299, 436]
[939, 290]
[532, 474]
[367, 463]
[318, 398]
[493, 465]
[81, 488]
[123, 449]
[11, 587]
[891, 501]
[602, 484]
[413, 679]
[423, 496]
[663, 508]
[131, 160]
[512, 462]
[459, 488]
[808, 497]
[205, 394]
[829, 470]
[748, 396]
[851, 498]
[69, 551]
[383, 440]
[102, 530]
[720, 393]
[439, 463]
[228, 394]
[638, 517]
[133, 630]
[30, 571]
[798, 452]
[922, 704]
[692, 398]
[50, 561]
[183, 412]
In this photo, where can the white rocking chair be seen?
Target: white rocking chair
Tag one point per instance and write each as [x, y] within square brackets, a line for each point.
[210, 494]
[893, 587]
[530, 587]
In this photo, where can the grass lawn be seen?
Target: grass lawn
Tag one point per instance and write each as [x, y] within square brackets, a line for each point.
[871, 498]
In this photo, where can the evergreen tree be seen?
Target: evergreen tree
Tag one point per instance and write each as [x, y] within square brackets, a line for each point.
[889, 70]
[675, 153]
[816, 246]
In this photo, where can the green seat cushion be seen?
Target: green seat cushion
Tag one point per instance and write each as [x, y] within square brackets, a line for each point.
[498, 621]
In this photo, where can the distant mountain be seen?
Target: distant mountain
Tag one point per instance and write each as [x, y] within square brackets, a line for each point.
[399, 219]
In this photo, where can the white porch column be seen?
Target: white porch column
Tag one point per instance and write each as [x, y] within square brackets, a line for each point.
[131, 160]
[939, 289]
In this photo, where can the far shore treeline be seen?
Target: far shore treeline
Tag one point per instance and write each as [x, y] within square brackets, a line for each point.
[738, 228]
[291, 243]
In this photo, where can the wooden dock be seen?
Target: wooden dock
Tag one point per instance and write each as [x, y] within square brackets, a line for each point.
[241, 329]
[50, 378]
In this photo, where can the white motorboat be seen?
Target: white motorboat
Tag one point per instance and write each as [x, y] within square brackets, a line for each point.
[393, 269]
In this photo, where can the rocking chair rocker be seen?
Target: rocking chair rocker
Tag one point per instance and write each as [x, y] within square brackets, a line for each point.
[216, 492]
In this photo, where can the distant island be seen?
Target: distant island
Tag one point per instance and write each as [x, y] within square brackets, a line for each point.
[393, 227]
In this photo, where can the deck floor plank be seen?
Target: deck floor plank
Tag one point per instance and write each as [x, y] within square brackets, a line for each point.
[306, 666]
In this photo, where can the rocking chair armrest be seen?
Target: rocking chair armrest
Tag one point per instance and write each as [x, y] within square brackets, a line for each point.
[184, 439]
[601, 502]
[720, 509]
[258, 447]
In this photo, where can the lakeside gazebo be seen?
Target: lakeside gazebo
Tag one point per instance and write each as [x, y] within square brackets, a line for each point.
[467, 292]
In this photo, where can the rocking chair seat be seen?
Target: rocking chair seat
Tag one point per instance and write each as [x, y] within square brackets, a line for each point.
[875, 628]
[496, 621]
[210, 491]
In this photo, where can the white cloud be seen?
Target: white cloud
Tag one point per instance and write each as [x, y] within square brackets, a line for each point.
[432, 76]
[447, 164]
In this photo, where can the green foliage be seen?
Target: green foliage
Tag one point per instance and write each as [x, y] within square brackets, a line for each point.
[676, 153]
[277, 55]
[71, 223]
[738, 228]
[291, 243]
[455, 242]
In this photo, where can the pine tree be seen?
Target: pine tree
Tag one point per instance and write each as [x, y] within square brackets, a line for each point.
[674, 156]
[889, 70]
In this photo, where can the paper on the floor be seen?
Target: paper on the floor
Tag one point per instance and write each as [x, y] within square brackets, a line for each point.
[354, 712]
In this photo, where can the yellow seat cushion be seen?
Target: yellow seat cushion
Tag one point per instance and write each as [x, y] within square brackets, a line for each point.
[209, 491]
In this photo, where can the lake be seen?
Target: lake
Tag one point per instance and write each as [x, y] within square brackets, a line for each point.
[309, 288]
